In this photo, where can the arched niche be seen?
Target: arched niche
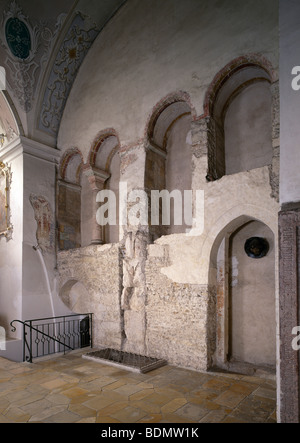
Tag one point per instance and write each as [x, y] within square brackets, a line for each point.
[75, 296]
[169, 161]
[104, 161]
[239, 106]
[69, 200]
[244, 318]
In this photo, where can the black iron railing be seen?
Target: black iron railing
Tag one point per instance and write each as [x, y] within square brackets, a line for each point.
[46, 336]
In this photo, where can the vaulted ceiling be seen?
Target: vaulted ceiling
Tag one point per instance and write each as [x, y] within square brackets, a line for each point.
[42, 46]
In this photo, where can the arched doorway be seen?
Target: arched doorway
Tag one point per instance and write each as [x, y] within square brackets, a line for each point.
[244, 265]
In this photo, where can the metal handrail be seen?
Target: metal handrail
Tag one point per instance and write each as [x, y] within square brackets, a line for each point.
[28, 324]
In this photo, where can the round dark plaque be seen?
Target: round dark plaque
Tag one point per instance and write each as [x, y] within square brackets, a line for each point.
[18, 38]
[256, 247]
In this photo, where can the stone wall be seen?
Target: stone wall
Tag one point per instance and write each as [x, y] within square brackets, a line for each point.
[98, 269]
[177, 316]
[171, 319]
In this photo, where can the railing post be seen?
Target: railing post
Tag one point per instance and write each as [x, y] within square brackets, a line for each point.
[24, 338]
[30, 342]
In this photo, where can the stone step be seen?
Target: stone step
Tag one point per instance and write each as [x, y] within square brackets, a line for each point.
[12, 349]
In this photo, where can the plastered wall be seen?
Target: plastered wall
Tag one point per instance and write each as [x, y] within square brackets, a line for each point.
[163, 295]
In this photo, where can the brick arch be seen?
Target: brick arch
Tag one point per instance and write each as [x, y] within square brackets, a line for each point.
[237, 64]
[227, 84]
[66, 162]
[97, 145]
[184, 106]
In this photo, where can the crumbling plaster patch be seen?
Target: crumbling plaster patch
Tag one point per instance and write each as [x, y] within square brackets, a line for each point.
[189, 257]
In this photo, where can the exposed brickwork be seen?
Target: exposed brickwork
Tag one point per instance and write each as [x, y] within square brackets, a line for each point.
[235, 65]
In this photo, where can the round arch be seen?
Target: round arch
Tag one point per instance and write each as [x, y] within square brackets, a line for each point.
[167, 111]
[222, 265]
[74, 296]
[240, 95]
[103, 149]
[249, 62]
[71, 166]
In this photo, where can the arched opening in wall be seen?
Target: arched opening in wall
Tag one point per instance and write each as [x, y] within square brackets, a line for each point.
[105, 164]
[75, 296]
[244, 272]
[69, 201]
[239, 104]
[169, 166]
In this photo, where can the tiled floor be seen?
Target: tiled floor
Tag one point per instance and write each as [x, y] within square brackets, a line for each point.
[70, 389]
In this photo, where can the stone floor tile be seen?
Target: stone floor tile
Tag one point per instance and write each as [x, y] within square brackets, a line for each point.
[63, 417]
[113, 408]
[215, 416]
[146, 406]
[4, 419]
[168, 392]
[114, 385]
[175, 418]
[159, 399]
[173, 405]
[82, 411]
[37, 406]
[216, 385]
[81, 399]
[192, 411]
[229, 398]
[230, 419]
[128, 389]
[58, 399]
[265, 393]
[202, 395]
[75, 390]
[16, 415]
[103, 419]
[243, 387]
[43, 415]
[103, 400]
[53, 384]
[87, 420]
[140, 395]
[154, 418]
[129, 415]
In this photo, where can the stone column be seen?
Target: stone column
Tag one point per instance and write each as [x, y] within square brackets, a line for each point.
[97, 179]
[289, 287]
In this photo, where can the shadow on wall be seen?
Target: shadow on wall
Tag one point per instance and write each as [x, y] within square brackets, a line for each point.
[75, 296]
[40, 294]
